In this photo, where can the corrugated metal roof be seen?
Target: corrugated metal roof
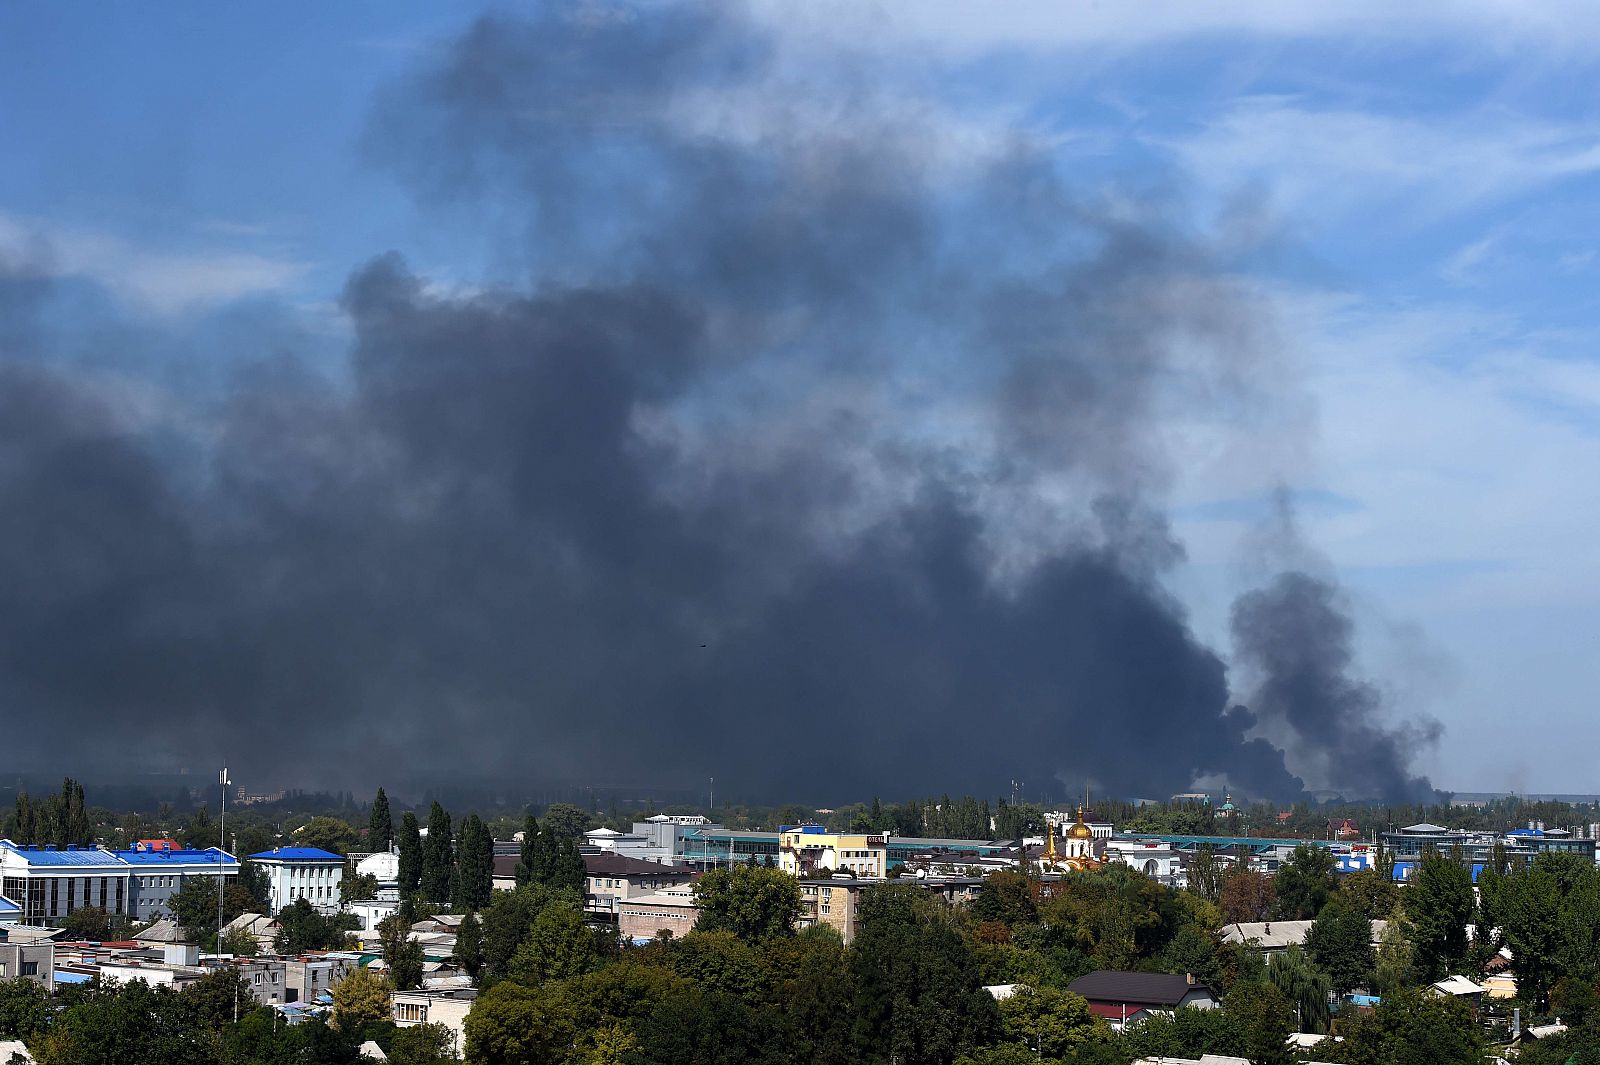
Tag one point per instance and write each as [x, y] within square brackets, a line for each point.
[297, 854]
[181, 857]
[70, 856]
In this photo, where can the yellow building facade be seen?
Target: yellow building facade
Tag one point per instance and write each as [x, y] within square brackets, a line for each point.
[809, 850]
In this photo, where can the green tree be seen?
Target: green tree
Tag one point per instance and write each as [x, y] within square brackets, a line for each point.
[1412, 1027]
[362, 996]
[1305, 882]
[1263, 1018]
[302, 928]
[1304, 986]
[423, 1044]
[530, 864]
[326, 833]
[1438, 905]
[1371, 892]
[512, 1024]
[401, 954]
[753, 904]
[93, 923]
[355, 887]
[558, 945]
[475, 865]
[410, 871]
[1007, 897]
[565, 821]
[1053, 1022]
[380, 829]
[240, 943]
[194, 906]
[24, 1009]
[1206, 874]
[468, 952]
[438, 856]
[1339, 941]
[506, 922]
[919, 995]
[1395, 966]
[708, 1027]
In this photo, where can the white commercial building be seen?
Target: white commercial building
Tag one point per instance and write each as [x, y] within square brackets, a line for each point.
[309, 873]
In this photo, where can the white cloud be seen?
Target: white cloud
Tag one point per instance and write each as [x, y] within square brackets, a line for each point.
[1330, 163]
[961, 28]
[152, 280]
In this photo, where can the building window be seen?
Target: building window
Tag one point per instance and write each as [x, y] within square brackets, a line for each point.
[30, 968]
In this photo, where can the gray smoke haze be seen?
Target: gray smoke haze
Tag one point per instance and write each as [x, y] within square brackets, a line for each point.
[810, 445]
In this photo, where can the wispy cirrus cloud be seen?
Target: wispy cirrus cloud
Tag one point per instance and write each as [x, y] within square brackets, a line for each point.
[1329, 162]
[158, 281]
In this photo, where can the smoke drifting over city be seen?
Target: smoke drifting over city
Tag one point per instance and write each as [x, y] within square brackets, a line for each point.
[821, 446]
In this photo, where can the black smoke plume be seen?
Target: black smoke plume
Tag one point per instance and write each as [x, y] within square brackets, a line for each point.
[803, 442]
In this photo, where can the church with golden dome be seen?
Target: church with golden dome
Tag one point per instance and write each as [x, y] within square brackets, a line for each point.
[1076, 854]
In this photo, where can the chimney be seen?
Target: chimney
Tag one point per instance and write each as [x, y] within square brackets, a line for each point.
[1189, 977]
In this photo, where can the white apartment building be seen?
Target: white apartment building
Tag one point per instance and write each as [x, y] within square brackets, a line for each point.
[309, 873]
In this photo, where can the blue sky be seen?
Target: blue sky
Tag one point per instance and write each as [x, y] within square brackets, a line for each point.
[1414, 198]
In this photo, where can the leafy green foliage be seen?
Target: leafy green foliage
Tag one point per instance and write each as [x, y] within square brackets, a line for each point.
[331, 834]
[423, 1044]
[194, 906]
[1305, 883]
[753, 904]
[1339, 941]
[1412, 1027]
[1438, 905]
[919, 997]
[302, 928]
[401, 953]
[410, 871]
[475, 865]
[24, 1008]
[438, 857]
[1053, 1022]
[380, 828]
[556, 946]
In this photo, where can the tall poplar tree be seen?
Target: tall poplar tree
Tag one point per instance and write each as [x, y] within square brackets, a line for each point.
[438, 856]
[528, 870]
[410, 856]
[380, 828]
[474, 865]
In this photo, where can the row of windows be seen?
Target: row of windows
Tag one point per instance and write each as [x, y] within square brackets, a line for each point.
[59, 896]
[27, 968]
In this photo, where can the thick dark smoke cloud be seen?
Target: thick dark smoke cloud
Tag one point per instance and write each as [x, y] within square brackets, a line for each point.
[1296, 635]
[811, 445]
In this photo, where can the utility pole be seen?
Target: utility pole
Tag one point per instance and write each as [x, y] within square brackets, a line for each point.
[222, 846]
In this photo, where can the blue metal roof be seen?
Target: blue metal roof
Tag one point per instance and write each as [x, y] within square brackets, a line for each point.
[67, 977]
[297, 854]
[7, 906]
[183, 857]
[67, 856]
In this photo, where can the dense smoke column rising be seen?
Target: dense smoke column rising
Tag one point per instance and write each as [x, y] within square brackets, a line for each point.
[810, 451]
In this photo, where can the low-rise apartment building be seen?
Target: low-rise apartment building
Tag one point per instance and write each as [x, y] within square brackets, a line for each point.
[446, 1008]
[612, 879]
[811, 850]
